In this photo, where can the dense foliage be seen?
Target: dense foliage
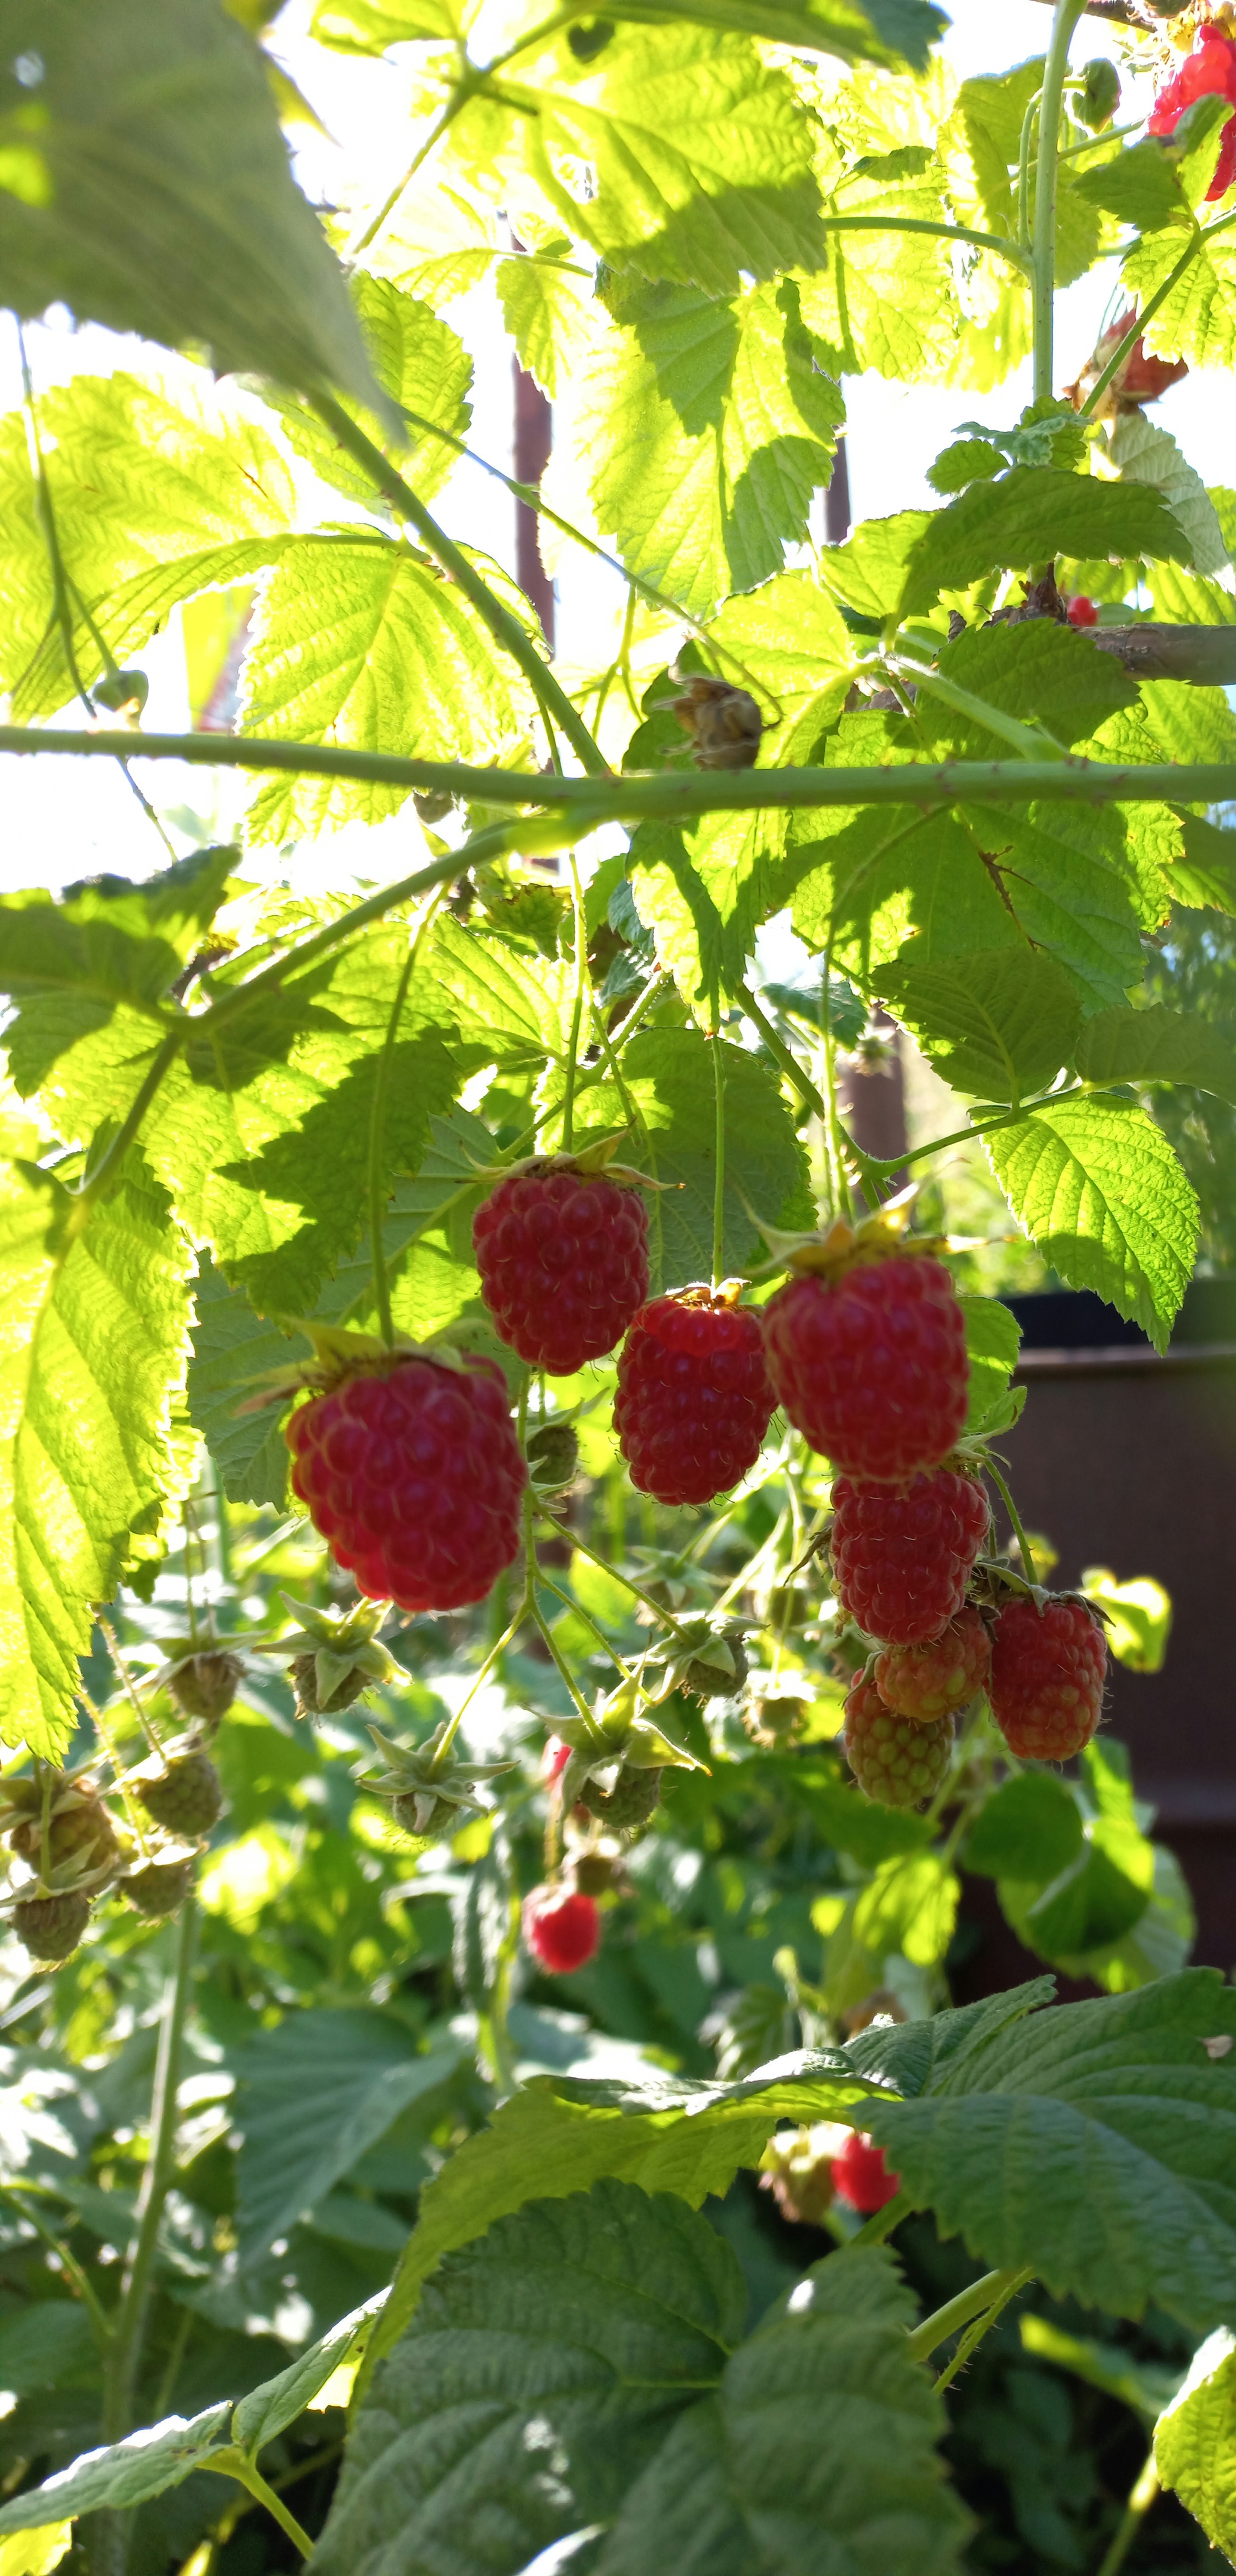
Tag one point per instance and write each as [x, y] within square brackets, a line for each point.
[495, 1919]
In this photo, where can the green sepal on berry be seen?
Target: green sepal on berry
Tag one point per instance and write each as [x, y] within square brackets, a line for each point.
[429, 1797]
[335, 1655]
[57, 1823]
[706, 1657]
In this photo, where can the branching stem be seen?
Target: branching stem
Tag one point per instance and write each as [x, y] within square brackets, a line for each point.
[993, 2289]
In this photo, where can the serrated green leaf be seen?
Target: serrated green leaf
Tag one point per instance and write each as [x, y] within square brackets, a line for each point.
[1099, 1190]
[671, 150]
[668, 1075]
[315, 2093]
[1030, 1829]
[1043, 673]
[124, 2473]
[1157, 1045]
[997, 1024]
[359, 642]
[231, 1347]
[1093, 1902]
[93, 1332]
[276, 2403]
[1072, 886]
[890, 884]
[910, 1907]
[423, 366]
[1197, 319]
[1161, 180]
[918, 2057]
[705, 427]
[787, 640]
[1096, 2143]
[369, 26]
[159, 197]
[993, 1339]
[1195, 2441]
[889, 32]
[546, 313]
[867, 573]
[966, 461]
[1205, 877]
[884, 300]
[817, 2453]
[1027, 517]
[141, 487]
[1144, 453]
[110, 941]
[565, 2134]
[578, 2329]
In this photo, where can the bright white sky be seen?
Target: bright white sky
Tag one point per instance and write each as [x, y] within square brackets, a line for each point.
[72, 819]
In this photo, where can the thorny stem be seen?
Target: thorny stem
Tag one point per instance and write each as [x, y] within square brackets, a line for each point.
[541, 1624]
[1027, 1552]
[590, 1623]
[982, 2325]
[1141, 2496]
[1137, 326]
[505, 629]
[718, 1186]
[128, 1684]
[130, 2319]
[993, 2289]
[236, 2464]
[1023, 172]
[840, 1194]
[133, 1813]
[777, 1048]
[1067, 13]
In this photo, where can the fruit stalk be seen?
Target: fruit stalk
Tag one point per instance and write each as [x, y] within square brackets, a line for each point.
[981, 2297]
[135, 2294]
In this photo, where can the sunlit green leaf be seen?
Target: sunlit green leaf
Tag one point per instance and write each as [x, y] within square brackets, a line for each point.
[1099, 1190]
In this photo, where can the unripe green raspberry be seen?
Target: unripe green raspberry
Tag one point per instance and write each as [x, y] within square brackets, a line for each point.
[51, 1926]
[204, 1686]
[158, 1889]
[188, 1799]
[895, 1759]
[632, 1800]
[80, 1828]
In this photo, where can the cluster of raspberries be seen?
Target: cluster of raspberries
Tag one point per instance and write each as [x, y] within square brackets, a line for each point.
[414, 1474]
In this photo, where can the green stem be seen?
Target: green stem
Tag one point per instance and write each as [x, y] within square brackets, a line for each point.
[1029, 741]
[1137, 326]
[982, 2325]
[984, 1127]
[718, 1186]
[638, 796]
[100, 2322]
[1023, 172]
[581, 986]
[957, 2312]
[583, 1549]
[236, 2464]
[605, 1643]
[1027, 1553]
[459, 96]
[997, 242]
[93, 1181]
[541, 1624]
[880, 2225]
[781, 1053]
[378, 1188]
[1142, 2495]
[130, 2321]
[506, 630]
[1067, 13]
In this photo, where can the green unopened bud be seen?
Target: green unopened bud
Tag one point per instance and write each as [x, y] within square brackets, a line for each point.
[553, 1455]
[1096, 102]
[121, 691]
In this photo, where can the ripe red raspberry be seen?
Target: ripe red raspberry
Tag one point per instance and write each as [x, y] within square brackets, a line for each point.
[416, 1479]
[1082, 612]
[694, 1399]
[902, 1559]
[898, 1760]
[563, 1258]
[862, 2177]
[1048, 1668]
[561, 1929]
[1208, 72]
[926, 1682]
[873, 1371]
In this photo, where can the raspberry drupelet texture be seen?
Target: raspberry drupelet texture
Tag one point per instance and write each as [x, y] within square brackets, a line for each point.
[694, 1396]
[902, 1558]
[862, 2177]
[416, 1479]
[1208, 72]
[562, 1929]
[1048, 1668]
[898, 1760]
[926, 1682]
[563, 1259]
[872, 1370]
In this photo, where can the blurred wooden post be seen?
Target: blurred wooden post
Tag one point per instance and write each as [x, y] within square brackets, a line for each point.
[873, 1097]
[533, 442]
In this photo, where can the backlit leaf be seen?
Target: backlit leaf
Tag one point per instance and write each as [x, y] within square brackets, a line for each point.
[1099, 1190]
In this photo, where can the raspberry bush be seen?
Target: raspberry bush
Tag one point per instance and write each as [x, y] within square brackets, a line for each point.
[500, 1479]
